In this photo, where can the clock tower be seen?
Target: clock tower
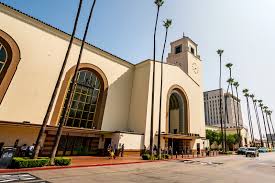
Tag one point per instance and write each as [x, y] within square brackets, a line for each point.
[184, 54]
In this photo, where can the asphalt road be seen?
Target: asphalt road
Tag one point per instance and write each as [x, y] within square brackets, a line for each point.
[223, 169]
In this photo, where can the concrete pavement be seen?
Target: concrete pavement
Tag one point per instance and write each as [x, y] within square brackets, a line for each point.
[221, 169]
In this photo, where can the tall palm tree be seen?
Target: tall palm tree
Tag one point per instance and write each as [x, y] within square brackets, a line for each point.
[231, 82]
[267, 121]
[257, 118]
[159, 3]
[50, 106]
[167, 23]
[269, 114]
[220, 52]
[246, 94]
[71, 90]
[261, 105]
[236, 84]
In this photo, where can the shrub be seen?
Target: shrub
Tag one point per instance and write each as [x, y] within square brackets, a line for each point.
[29, 163]
[165, 156]
[146, 157]
[61, 161]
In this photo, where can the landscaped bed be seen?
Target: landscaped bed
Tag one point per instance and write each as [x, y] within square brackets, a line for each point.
[22, 162]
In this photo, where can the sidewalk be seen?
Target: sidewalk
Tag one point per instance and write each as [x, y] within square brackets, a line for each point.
[93, 161]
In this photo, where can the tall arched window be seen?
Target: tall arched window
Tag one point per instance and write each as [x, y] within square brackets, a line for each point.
[3, 57]
[9, 60]
[85, 101]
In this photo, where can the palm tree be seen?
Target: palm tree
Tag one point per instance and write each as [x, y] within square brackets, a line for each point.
[229, 66]
[220, 52]
[257, 118]
[269, 114]
[229, 81]
[267, 121]
[246, 94]
[261, 105]
[166, 24]
[159, 3]
[71, 89]
[50, 106]
[236, 84]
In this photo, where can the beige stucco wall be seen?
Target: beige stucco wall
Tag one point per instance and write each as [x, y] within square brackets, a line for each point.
[42, 54]
[139, 108]
[26, 135]
[130, 141]
[173, 75]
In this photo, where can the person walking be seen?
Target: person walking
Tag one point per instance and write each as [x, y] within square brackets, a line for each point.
[122, 150]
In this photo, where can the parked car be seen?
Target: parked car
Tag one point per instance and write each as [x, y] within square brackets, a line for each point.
[242, 150]
[263, 150]
[252, 152]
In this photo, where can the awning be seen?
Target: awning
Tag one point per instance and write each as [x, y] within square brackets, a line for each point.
[179, 136]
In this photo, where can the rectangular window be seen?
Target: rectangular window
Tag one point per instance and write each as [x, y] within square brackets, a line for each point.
[178, 49]
[192, 50]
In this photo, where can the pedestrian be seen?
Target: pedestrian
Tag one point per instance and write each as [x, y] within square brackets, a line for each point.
[1, 148]
[115, 151]
[170, 151]
[122, 150]
[23, 150]
[30, 150]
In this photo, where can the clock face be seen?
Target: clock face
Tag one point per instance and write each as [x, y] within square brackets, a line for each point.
[195, 68]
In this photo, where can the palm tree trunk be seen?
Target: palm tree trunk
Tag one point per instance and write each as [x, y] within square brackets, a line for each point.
[250, 121]
[238, 109]
[227, 118]
[258, 123]
[267, 121]
[50, 106]
[265, 127]
[71, 89]
[153, 88]
[233, 100]
[271, 124]
[221, 111]
[160, 95]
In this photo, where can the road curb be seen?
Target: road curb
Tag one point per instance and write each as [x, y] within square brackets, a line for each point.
[68, 167]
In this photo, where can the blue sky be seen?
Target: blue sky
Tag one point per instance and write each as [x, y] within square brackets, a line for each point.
[244, 29]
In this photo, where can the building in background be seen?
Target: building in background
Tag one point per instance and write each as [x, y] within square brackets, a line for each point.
[212, 109]
[112, 99]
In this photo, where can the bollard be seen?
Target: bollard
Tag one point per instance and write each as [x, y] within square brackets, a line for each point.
[181, 154]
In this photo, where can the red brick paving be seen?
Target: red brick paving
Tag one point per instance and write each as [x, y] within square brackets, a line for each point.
[89, 161]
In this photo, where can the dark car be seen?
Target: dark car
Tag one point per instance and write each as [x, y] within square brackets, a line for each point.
[252, 152]
[242, 150]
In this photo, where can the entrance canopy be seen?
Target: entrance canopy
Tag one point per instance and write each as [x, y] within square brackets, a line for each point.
[181, 136]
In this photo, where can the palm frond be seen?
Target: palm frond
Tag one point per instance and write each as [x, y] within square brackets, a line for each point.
[229, 65]
[220, 52]
[245, 90]
[236, 84]
[159, 2]
[167, 23]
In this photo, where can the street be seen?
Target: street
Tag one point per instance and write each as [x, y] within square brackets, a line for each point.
[214, 169]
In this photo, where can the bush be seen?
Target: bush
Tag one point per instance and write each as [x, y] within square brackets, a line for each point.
[165, 156]
[29, 163]
[61, 161]
[146, 157]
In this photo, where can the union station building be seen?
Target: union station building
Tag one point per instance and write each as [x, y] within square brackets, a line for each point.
[112, 100]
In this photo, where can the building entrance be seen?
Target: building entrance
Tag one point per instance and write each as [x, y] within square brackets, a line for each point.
[179, 146]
